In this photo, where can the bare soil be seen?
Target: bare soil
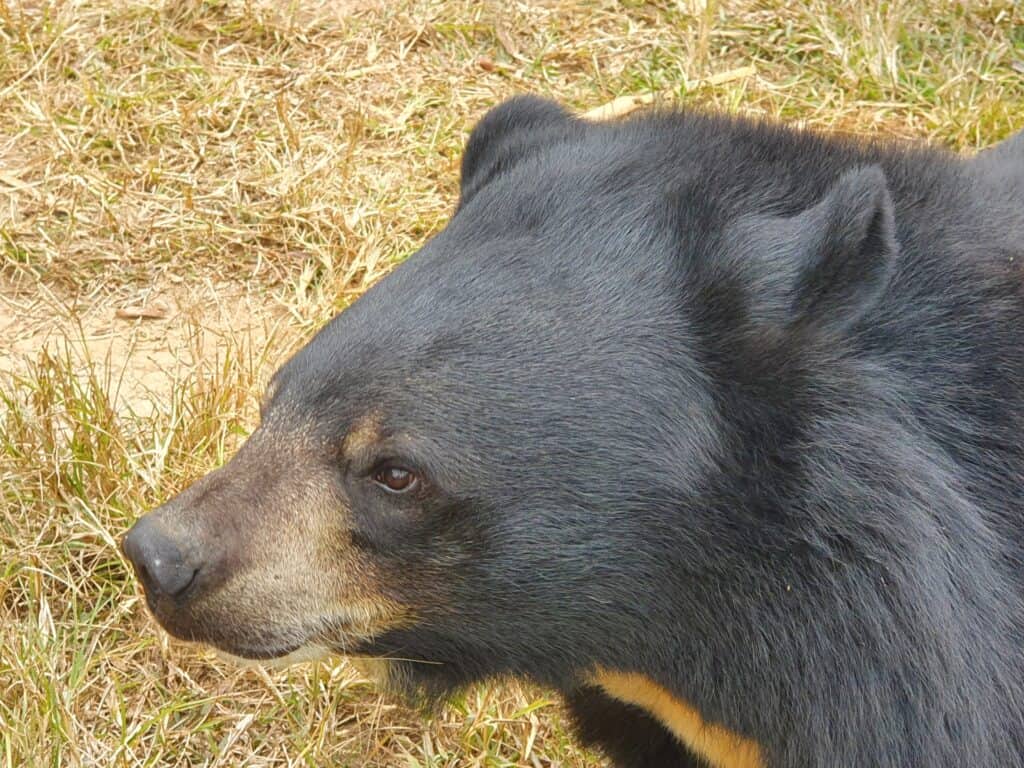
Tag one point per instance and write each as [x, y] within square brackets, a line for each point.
[144, 339]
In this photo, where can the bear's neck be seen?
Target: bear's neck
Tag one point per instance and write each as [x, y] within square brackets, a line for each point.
[847, 581]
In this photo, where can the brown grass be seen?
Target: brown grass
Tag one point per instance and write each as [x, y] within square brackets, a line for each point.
[245, 169]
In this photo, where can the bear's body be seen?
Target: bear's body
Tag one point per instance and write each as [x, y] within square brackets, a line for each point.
[716, 426]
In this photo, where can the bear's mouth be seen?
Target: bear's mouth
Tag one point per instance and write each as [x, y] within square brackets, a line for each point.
[316, 647]
[245, 653]
[342, 633]
[279, 655]
[271, 646]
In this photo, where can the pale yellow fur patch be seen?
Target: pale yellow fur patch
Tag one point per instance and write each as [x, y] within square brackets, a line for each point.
[364, 433]
[719, 746]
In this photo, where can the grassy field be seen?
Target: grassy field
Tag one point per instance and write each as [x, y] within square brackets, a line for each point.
[188, 189]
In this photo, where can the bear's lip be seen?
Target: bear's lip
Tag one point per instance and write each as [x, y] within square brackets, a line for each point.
[314, 644]
[258, 654]
[311, 649]
[189, 632]
[342, 631]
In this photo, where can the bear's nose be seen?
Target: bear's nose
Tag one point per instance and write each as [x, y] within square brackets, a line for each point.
[157, 559]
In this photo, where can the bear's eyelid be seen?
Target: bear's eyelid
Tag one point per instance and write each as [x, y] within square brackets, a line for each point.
[368, 459]
[392, 451]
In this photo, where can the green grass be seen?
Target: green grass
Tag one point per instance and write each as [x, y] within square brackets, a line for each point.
[255, 166]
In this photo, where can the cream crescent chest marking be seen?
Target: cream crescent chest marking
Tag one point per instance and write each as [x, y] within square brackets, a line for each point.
[719, 746]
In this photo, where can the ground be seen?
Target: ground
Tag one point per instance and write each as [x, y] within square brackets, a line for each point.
[188, 189]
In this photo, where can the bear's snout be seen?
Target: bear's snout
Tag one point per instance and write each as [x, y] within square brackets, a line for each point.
[257, 558]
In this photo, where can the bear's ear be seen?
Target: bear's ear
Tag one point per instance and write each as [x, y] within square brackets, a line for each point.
[504, 136]
[826, 266]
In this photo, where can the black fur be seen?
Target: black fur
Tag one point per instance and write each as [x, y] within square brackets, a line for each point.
[728, 404]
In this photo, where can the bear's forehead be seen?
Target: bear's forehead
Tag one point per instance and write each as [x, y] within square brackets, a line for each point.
[438, 333]
[569, 256]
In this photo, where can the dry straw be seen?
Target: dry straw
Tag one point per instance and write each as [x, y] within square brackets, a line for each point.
[188, 188]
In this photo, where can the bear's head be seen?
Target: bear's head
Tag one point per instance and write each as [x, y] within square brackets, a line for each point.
[533, 447]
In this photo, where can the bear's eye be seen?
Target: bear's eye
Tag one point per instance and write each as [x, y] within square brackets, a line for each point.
[395, 479]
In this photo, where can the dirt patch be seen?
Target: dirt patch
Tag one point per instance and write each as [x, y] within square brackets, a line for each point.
[142, 340]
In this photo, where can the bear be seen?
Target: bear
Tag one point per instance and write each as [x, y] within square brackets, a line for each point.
[711, 424]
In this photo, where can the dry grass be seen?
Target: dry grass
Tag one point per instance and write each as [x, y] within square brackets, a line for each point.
[254, 166]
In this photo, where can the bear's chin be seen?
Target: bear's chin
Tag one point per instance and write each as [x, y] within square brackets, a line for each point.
[382, 672]
[274, 659]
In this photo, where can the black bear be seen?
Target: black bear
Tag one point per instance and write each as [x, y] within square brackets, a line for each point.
[713, 425]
